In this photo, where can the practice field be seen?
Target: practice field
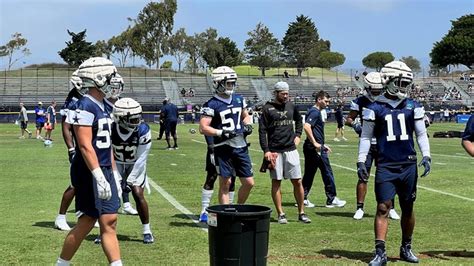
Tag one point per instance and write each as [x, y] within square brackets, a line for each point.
[33, 179]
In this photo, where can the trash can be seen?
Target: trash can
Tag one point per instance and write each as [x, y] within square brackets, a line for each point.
[238, 234]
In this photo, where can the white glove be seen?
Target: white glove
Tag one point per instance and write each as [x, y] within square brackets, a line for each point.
[103, 187]
[118, 182]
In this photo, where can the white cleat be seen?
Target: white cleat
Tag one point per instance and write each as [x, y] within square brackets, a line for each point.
[344, 139]
[336, 140]
[336, 202]
[307, 204]
[129, 210]
[62, 225]
[359, 214]
[392, 214]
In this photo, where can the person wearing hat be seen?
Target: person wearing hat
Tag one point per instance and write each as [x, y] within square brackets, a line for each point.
[40, 119]
[278, 140]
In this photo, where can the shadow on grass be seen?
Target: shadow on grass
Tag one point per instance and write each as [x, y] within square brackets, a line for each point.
[339, 214]
[445, 254]
[352, 255]
[50, 224]
[92, 237]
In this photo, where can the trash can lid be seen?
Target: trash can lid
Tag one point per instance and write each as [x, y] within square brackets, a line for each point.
[239, 209]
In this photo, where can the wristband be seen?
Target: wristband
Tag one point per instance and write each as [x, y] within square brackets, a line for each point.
[219, 132]
[98, 174]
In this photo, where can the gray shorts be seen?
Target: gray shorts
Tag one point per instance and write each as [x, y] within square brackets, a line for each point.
[287, 166]
[138, 180]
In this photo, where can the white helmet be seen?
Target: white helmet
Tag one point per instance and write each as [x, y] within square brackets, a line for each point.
[116, 84]
[76, 83]
[97, 72]
[127, 113]
[397, 77]
[221, 76]
[373, 84]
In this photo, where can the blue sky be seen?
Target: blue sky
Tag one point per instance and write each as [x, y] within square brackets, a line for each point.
[355, 28]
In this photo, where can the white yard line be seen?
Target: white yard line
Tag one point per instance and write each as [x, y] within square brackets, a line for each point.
[419, 186]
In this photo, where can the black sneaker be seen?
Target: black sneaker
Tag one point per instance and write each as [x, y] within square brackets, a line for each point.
[148, 239]
[302, 217]
[98, 240]
[407, 255]
[379, 259]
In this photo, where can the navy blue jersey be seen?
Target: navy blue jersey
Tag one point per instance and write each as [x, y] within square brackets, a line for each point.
[90, 112]
[359, 104]
[469, 131]
[225, 115]
[394, 127]
[125, 143]
[170, 112]
[338, 114]
[315, 119]
[70, 102]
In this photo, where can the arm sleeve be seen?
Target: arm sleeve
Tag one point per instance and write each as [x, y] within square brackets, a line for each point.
[142, 154]
[365, 137]
[262, 132]
[298, 122]
[422, 137]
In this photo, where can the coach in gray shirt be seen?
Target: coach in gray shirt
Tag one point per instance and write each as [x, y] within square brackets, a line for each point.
[23, 119]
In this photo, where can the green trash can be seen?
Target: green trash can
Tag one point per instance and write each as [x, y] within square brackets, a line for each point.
[238, 234]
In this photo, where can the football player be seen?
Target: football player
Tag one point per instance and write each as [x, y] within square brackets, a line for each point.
[225, 118]
[92, 174]
[131, 140]
[468, 136]
[372, 89]
[392, 119]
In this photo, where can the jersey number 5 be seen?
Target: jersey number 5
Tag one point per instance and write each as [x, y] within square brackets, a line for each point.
[228, 122]
[403, 129]
[103, 134]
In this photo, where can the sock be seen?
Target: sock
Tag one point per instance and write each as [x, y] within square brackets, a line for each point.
[360, 205]
[61, 217]
[406, 241]
[61, 262]
[380, 245]
[126, 205]
[146, 228]
[206, 198]
[175, 142]
[231, 197]
[116, 263]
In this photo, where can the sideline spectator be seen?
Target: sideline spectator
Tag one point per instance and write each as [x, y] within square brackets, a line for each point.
[285, 74]
[40, 119]
[50, 120]
[23, 119]
[169, 111]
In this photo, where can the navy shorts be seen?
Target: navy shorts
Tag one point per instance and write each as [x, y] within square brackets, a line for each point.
[23, 124]
[39, 125]
[340, 123]
[170, 127]
[233, 160]
[87, 201]
[398, 179]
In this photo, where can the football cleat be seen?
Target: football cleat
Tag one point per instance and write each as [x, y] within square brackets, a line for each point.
[129, 210]
[336, 202]
[148, 239]
[379, 259]
[203, 217]
[282, 219]
[336, 140]
[308, 204]
[392, 214]
[359, 214]
[62, 225]
[407, 255]
[302, 217]
[97, 240]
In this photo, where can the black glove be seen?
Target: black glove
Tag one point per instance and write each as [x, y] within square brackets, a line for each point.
[210, 149]
[71, 154]
[426, 163]
[248, 130]
[228, 134]
[362, 172]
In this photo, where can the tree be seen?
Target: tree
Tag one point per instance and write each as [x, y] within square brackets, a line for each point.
[229, 54]
[412, 63]
[177, 46]
[327, 59]
[102, 48]
[155, 23]
[77, 50]
[262, 49]
[211, 47]
[302, 44]
[194, 47]
[167, 65]
[377, 60]
[457, 46]
[16, 44]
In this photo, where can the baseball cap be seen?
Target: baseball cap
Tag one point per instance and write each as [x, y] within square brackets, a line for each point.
[281, 86]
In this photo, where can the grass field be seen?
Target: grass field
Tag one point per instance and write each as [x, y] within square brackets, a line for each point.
[34, 177]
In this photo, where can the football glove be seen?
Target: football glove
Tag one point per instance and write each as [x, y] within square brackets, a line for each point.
[228, 134]
[426, 163]
[71, 152]
[118, 183]
[357, 126]
[362, 172]
[248, 130]
[103, 187]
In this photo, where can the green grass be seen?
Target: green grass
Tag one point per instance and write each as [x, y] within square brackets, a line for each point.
[34, 177]
[314, 72]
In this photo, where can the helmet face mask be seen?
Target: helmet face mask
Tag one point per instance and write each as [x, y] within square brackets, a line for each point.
[127, 113]
[116, 85]
[397, 77]
[97, 72]
[225, 80]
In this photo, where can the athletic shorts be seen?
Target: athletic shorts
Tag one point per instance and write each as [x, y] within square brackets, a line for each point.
[170, 127]
[232, 160]
[87, 200]
[287, 166]
[39, 125]
[23, 124]
[138, 180]
[340, 123]
[398, 179]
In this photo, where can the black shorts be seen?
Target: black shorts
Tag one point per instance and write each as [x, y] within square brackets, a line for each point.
[39, 125]
[23, 124]
[340, 123]
[170, 127]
